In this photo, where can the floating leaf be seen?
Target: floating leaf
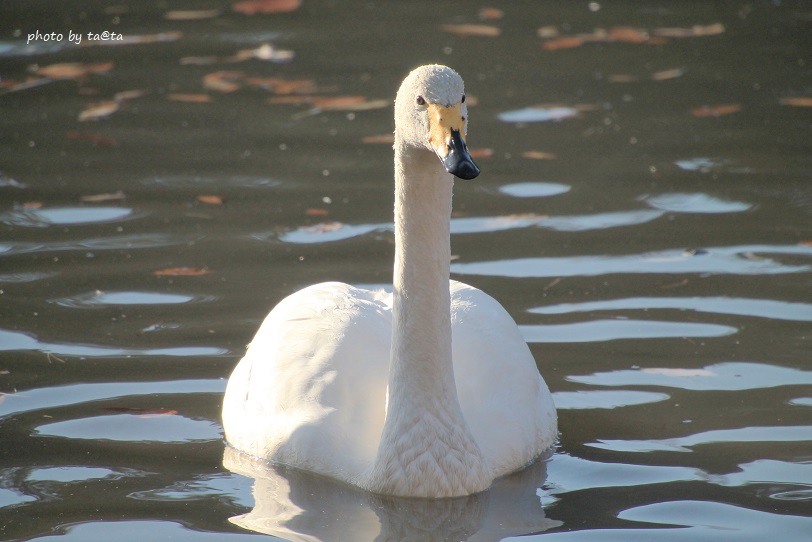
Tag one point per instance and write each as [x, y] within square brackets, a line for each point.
[387, 139]
[715, 110]
[480, 30]
[222, 81]
[98, 139]
[566, 42]
[211, 199]
[283, 86]
[622, 78]
[627, 34]
[291, 100]
[188, 98]
[491, 14]
[99, 110]
[129, 95]
[693, 32]
[266, 51]
[539, 155]
[348, 103]
[316, 212]
[481, 153]
[252, 7]
[181, 272]
[324, 227]
[548, 32]
[798, 101]
[98, 198]
[191, 14]
[73, 70]
[668, 74]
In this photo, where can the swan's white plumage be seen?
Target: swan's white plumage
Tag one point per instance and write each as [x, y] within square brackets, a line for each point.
[358, 385]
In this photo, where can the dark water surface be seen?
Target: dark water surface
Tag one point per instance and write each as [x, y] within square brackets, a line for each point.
[644, 213]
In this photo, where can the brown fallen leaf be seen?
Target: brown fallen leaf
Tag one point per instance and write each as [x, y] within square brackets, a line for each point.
[348, 103]
[664, 75]
[692, 32]
[98, 198]
[99, 110]
[490, 14]
[316, 212]
[181, 272]
[324, 227]
[223, 81]
[547, 32]
[125, 95]
[97, 139]
[715, 110]
[188, 98]
[73, 70]
[627, 34]
[211, 199]
[289, 100]
[191, 14]
[266, 51]
[622, 78]
[480, 153]
[566, 42]
[31, 205]
[252, 7]
[539, 155]
[798, 101]
[283, 86]
[479, 30]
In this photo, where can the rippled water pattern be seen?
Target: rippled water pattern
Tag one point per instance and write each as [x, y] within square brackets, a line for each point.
[644, 213]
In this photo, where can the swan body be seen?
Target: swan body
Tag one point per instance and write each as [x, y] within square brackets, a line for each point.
[428, 391]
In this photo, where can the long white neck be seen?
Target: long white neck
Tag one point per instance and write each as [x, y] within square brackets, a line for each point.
[426, 448]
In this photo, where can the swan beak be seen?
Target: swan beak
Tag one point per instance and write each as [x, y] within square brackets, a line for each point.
[446, 135]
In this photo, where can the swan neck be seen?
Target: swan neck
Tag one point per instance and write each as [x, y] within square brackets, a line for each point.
[422, 321]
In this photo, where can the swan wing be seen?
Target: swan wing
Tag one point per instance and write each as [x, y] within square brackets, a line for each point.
[311, 389]
[504, 399]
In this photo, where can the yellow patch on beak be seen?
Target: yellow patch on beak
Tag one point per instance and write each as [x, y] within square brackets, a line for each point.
[442, 120]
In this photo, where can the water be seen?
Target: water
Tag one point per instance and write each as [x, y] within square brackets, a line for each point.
[644, 213]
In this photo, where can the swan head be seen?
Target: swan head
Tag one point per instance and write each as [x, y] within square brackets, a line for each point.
[430, 113]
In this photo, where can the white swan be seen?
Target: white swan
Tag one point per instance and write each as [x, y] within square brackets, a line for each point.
[427, 392]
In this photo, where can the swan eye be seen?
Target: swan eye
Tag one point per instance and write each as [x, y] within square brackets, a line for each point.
[421, 100]
[463, 99]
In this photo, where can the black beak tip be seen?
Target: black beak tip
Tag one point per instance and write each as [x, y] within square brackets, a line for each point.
[465, 169]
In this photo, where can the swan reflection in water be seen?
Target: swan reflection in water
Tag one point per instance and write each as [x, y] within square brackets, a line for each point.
[301, 506]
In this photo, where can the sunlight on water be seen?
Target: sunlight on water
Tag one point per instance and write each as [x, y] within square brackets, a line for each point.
[42, 218]
[134, 428]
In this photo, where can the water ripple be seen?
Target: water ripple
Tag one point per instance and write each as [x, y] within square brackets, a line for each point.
[760, 308]
[695, 203]
[581, 400]
[796, 433]
[66, 216]
[731, 376]
[17, 340]
[99, 299]
[534, 190]
[734, 260]
[609, 330]
[74, 394]
[116, 242]
[133, 428]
